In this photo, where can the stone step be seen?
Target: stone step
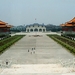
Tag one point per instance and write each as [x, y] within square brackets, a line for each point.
[18, 69]
[35, 74]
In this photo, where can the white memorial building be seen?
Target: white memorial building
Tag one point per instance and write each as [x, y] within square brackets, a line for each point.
[36, 28]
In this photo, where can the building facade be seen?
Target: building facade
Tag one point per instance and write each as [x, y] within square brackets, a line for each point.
[4, 27]
[36, 28]
[69, 27]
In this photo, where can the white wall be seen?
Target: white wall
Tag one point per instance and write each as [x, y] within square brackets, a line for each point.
[36, 27]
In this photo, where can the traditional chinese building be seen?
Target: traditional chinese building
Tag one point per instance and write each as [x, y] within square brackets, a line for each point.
[69, 27]
[4, 27]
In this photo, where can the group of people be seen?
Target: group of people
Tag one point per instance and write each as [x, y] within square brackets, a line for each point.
[32, 50]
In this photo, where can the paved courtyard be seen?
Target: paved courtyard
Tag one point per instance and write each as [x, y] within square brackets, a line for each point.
[36, 56]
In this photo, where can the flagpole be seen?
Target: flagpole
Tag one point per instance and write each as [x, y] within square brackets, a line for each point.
[35, 20]
[35, 32]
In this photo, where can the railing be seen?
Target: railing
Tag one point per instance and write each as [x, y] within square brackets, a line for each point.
[5, 63]
[70, 63]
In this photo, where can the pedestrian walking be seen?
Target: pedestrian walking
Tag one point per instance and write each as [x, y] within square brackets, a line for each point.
[32, 49]
[28, 50]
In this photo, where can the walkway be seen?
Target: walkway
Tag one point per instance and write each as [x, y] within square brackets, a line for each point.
[44, 60]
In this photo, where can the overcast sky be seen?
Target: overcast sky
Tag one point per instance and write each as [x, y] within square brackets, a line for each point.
[19, 12]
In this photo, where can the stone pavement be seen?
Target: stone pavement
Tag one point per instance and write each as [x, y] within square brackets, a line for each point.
[43, 60]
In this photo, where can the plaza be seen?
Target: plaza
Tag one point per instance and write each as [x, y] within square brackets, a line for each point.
[46, 58]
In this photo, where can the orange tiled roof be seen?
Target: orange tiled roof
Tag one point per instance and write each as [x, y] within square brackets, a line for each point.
[2, 26]
[69, 23]
[2, 23]
[72, 21]
[7, 26]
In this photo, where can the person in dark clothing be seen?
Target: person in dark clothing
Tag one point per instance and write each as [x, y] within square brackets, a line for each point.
[32, 48]
[6, 63]
[28, 50]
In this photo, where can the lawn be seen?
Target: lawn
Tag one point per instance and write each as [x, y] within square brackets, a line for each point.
[67, 43]
[4, 44]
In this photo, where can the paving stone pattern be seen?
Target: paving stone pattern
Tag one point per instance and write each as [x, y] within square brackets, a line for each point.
[30, 50]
